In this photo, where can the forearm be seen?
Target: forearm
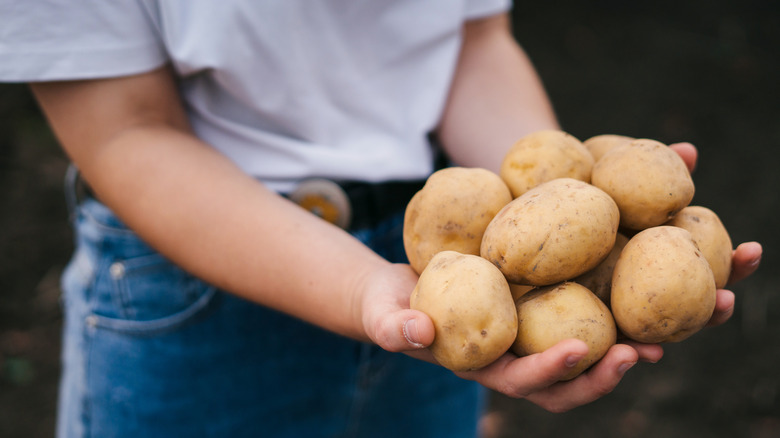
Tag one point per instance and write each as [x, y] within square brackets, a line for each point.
[495, 99]
[198, 209]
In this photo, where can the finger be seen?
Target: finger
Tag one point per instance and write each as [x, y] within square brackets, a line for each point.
[595, 383]
[651, 353]
[724, 308]
[403, 330]
[519, 377]
[387, 319]
[688, 153]
[745, 260]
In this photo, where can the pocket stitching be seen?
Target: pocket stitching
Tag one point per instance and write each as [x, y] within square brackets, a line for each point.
[122, 302]
[152, 326]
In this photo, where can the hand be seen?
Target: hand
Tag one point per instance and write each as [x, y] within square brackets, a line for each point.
[536, 377]
[745, 259]
[387, 319]
[390, 323]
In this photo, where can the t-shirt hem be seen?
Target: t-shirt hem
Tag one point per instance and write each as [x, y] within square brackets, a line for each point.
[483, 9]
[39, 66]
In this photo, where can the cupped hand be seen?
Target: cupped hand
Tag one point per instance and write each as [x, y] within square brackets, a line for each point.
[389, 323]
[537, 377]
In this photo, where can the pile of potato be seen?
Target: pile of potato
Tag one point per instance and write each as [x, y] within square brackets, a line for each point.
[570, 240]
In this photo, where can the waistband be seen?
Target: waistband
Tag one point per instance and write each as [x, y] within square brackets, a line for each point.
[352, 205]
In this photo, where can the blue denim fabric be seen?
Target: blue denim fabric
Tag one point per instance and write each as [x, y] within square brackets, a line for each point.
[150, 351]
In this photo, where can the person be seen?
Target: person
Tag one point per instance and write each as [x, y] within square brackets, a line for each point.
[201, 300]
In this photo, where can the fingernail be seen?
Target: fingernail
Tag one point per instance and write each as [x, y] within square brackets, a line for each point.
[625, 367]
[411, 334]
[573, 360]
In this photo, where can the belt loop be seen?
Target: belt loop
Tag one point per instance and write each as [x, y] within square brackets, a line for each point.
[71, 195]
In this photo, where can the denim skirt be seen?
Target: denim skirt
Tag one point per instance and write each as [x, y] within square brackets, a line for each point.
[151, 351]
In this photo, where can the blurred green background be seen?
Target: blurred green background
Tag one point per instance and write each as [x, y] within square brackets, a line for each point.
[707, 72]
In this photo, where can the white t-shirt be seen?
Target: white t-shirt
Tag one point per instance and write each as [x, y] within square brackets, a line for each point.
[288, 89]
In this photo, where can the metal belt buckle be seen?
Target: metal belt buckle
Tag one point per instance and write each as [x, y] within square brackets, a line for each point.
[324, 198]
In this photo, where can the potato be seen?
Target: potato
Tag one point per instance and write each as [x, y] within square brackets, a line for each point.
[471, 307]
[599, 279]
[710, 236]
[553, 232]
[543, 156]
[663, 289]
[551, 314]
[451, 212]
[599, 145]
[649, 182]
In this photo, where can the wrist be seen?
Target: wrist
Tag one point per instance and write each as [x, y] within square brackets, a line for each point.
[359, 290]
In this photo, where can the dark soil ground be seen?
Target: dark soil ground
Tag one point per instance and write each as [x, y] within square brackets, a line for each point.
[707, 72]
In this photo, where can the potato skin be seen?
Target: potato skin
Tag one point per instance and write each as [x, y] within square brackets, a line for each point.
[598, 145]
[599, 279]
[566, 310]
[711, 237]
[451, 212]
[663, 289]
[554, 232]
[543, 156]
[471, 307]
[649, 182]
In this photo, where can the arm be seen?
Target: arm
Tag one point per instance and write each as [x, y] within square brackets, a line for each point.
[496, 97]
[130, 138]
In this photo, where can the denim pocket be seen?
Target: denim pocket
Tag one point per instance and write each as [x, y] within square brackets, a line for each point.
[135, 289]
[148, 294]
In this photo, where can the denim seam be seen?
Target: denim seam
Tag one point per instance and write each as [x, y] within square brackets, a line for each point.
[86, 401]
[121, 296]
[358, 397]
[156, 325]
[108, 229]
[121, 288]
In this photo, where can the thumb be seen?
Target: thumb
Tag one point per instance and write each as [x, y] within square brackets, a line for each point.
[404, 330]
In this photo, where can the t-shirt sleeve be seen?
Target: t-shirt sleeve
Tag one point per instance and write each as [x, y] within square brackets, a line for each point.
[46, 40]
[484, 8]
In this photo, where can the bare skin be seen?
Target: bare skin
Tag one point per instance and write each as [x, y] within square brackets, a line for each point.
[130, 138]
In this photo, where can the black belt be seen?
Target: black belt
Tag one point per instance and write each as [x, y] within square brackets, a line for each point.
[354, 205]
